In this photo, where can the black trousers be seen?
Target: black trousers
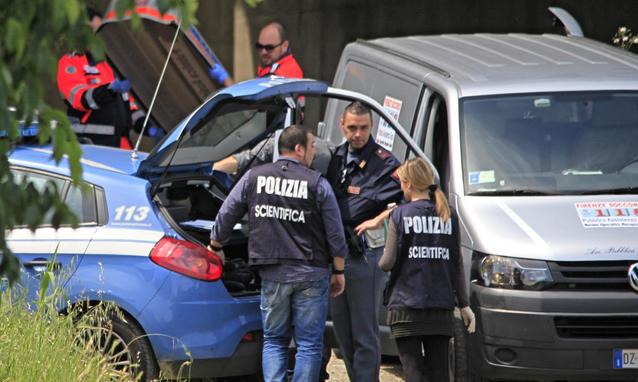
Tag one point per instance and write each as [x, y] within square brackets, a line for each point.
[417, 365]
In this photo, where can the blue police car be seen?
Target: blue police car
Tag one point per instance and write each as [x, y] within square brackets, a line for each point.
[144, 226]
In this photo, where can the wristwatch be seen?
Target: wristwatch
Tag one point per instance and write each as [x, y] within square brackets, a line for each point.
[337, 271]
[215, 248]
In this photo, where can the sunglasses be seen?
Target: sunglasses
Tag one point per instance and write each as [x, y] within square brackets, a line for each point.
[268, 47]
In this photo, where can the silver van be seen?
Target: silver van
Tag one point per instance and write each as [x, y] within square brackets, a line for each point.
[535, 138]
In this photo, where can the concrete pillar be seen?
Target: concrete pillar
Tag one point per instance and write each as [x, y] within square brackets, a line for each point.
[243, 52]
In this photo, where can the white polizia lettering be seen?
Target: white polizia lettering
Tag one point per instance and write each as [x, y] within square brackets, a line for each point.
[289, 188]
[281, 213]
[429, 253]
[426, 224]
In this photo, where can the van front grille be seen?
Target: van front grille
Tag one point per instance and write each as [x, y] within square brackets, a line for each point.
[591, 275]
[625, 327]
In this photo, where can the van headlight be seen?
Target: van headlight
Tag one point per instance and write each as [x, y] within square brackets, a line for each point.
[511, 273]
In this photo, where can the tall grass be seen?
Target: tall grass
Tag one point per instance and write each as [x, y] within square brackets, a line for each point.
[39, 344]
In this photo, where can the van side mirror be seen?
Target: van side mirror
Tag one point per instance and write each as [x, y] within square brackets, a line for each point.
[321, 129]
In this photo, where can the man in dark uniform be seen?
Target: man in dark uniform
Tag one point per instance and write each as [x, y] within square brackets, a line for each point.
[99, 104]
[295, 234]
[362, 174]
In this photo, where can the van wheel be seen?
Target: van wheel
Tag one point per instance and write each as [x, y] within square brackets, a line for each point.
[457, 352]
[459, 370]
[123, 345]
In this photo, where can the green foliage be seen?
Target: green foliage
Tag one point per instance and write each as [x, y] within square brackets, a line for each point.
[625, 38]
[254, 3]
[31, 34]
[38, 343]
[53, 339]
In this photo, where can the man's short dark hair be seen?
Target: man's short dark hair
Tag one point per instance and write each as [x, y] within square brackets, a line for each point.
[357, 108]
[292, 136]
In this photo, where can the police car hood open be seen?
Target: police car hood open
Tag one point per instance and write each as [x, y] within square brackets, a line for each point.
[555, 228]
[240, 116]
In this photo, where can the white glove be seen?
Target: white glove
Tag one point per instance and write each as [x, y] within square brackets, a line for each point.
[469, 319]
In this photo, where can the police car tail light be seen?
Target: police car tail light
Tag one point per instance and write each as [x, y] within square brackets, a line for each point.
[511, 273]
[188, 259]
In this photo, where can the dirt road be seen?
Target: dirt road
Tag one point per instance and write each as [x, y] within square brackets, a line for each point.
[390, 370]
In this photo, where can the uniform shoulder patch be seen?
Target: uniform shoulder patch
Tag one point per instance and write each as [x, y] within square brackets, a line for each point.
[382, 153]
[70, 69]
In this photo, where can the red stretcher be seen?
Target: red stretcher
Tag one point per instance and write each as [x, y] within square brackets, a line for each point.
[140, 54]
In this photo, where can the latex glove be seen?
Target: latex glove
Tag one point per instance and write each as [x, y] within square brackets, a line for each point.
[120, 86]
[156, 132]
[218, 73]
[469, 319]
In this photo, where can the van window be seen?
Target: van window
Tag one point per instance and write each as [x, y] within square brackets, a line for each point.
[563, 143]
[440, 141]
[397, 93]
[433, 136]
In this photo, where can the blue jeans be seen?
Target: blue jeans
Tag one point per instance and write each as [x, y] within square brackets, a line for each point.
[302, 307]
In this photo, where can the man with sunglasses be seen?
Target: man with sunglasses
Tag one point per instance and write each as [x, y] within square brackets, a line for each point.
[275, 57]
[274, 53]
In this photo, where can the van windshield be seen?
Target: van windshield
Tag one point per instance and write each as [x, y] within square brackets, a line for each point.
[554, 143]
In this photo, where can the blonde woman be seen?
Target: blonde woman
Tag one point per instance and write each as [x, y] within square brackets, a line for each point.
[423, 254]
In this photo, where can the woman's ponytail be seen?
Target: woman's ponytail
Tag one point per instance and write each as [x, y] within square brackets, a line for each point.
[442, 206]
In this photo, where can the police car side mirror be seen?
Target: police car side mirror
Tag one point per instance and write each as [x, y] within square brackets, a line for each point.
[321, 129]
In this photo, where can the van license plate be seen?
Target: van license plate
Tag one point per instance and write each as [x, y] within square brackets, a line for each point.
[625, 358]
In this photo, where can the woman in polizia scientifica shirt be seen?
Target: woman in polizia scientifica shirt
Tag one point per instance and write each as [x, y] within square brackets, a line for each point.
[423, 254]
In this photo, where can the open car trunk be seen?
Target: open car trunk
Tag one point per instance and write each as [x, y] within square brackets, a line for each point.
[180, 166]
[191, 204]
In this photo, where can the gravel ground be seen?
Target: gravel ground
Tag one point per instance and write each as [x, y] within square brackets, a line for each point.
[390, 370]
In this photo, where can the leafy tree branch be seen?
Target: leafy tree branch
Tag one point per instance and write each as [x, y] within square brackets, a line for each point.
[32, 33]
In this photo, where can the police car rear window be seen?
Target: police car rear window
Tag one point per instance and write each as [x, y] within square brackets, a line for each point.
[81, 201]
[232, 116]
